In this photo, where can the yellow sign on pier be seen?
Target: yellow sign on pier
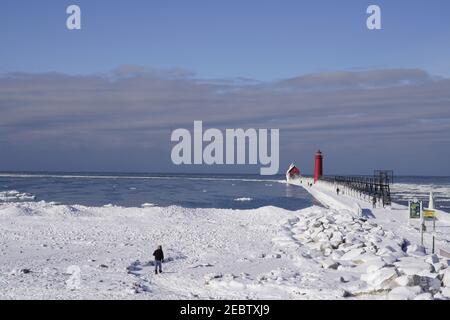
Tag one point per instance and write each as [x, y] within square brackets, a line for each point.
[427, 213]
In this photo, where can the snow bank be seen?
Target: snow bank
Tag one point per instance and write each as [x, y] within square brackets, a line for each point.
[103, 244]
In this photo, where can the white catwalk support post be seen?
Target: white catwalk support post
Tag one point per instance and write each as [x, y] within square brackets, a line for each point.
[431, 207]
[431, 201]
[422, 223]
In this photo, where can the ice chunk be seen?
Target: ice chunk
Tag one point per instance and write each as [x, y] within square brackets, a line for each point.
[14, 195]
[243, 199]
[148, 205]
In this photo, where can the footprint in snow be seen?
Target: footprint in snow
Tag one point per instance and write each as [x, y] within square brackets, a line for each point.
[203, 265]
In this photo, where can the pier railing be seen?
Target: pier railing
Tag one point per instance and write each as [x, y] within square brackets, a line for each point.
[369, 188]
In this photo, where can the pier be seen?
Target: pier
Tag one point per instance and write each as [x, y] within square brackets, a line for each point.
[375, 189]
[365, 187]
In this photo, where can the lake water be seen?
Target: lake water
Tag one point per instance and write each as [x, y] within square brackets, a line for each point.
[191, 191]
[131, 190]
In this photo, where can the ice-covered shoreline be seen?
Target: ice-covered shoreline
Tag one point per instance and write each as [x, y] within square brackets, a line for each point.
[265, 253]
[395, 219]
[14, 195]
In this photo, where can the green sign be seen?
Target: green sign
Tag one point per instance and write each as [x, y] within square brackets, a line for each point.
[414, 210]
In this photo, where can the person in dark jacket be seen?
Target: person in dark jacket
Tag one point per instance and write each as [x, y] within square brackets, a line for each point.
[159, 257]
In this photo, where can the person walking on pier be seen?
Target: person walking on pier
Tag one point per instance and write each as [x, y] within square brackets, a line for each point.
[374, 202]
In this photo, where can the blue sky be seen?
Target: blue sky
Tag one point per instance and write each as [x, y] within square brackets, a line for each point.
[106, 98]
[264, 40]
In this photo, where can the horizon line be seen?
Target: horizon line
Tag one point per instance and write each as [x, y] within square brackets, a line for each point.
[57, 172]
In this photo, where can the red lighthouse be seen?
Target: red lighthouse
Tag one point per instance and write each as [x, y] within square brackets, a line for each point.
[318, 166]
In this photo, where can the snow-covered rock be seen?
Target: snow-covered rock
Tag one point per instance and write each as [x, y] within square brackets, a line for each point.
[330, 264]
[424, 296]
[412, 265]
[380, 279]
[390, 250]
[446, 292]
[346, 294]
[336, 240]
[440, 296]
[389, 259]
[210, 276]
[375, 267]
[353, 254]
[404, 293]
[371, 247]
[446, 262]
[416, 250]
[427, 281]
[446, 278]
[374, 239]
[337, 254]
[404, 281]
[438, 266]
[432, 259]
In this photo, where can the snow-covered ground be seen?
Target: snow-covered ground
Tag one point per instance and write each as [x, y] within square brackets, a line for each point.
[51, 251]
